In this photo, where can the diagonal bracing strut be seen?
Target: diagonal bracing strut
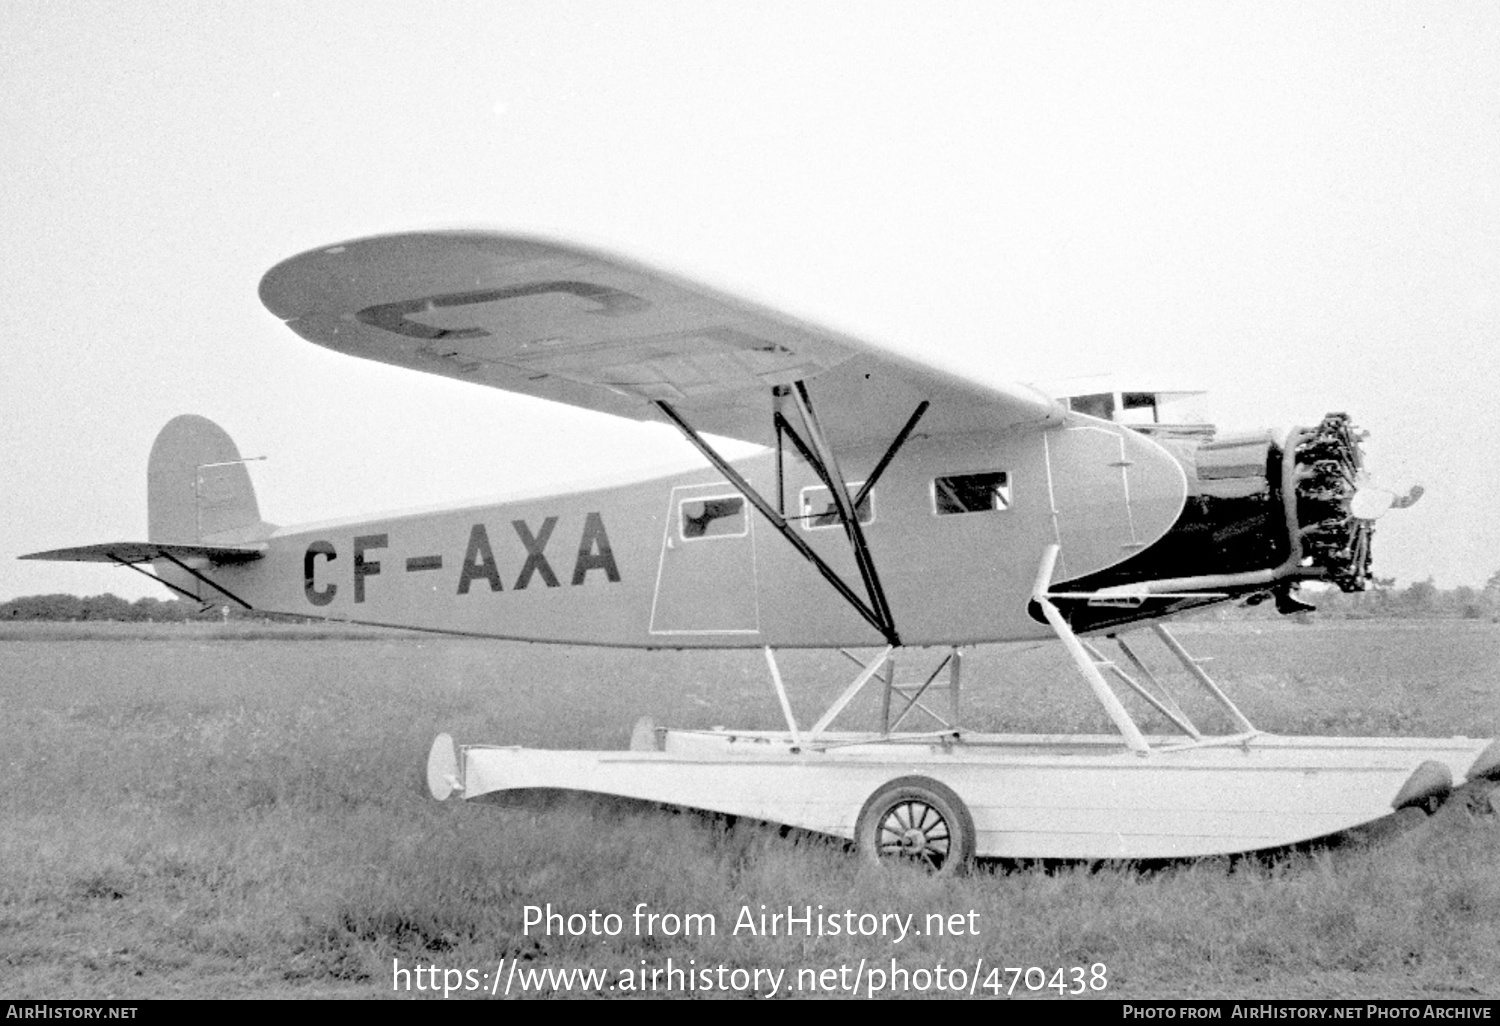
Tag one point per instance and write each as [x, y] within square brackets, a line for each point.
[828, 469]
[164, 554]
[876, 611]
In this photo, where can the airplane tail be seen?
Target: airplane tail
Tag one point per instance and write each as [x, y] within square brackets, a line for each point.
[200, 513]
[197, 487]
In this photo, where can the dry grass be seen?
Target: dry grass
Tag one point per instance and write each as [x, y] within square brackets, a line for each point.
[207, 811]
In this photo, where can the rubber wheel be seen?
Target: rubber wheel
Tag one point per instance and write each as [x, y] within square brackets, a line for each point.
[919, 820]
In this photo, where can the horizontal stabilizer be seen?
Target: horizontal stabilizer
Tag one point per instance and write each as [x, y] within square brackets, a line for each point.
[145, 552]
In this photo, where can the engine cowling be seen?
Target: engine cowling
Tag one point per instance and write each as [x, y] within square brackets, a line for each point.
[1262, 515]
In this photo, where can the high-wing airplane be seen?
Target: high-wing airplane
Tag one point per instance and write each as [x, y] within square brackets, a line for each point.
[895, 505]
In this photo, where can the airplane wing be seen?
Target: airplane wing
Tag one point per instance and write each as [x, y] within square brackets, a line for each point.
[567, 324]
[145, 552]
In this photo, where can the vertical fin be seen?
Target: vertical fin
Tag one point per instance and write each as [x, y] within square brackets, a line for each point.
[197, 488]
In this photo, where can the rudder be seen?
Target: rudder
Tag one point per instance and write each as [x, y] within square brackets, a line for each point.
[197, 486]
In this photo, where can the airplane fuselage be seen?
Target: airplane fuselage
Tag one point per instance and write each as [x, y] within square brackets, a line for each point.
[956, 526]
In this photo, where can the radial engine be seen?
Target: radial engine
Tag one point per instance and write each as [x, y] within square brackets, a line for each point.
[1263, 514]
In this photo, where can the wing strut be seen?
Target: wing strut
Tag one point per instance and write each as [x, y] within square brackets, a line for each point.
[828, 469]
[846, 509]
[890, 453]
[876, 614]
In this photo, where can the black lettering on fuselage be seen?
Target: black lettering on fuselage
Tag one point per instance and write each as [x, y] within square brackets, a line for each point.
[315, 595]
[594, 552]
[479, 561]
[536, 561]
[366, 567]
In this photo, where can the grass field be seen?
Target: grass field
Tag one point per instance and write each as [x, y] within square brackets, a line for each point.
[235, 811]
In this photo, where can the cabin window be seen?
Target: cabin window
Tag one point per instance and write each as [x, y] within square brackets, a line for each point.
[818, 509]
[718, 516]
[971, 493]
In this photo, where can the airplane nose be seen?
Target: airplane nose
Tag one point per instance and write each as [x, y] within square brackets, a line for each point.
[1323, 469]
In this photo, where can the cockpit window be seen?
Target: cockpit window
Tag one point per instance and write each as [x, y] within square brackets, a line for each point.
[721, 516]
[1138, 408]
[1101, 405]
[971, 493]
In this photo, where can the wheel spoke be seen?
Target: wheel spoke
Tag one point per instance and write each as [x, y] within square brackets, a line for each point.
[927, 816]
[915, 825]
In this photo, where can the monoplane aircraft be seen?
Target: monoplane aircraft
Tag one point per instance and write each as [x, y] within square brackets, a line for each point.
[894, 505]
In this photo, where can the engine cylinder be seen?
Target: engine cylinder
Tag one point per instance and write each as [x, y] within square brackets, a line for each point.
[1262, 514]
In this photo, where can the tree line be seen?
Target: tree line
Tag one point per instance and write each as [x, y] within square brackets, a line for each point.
[1382, 599]
[112, 607]
[1418, 599]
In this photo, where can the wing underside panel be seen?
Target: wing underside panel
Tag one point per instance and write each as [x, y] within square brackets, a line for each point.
[570, 325]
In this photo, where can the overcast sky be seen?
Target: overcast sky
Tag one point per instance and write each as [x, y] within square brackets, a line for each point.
[1294, 206]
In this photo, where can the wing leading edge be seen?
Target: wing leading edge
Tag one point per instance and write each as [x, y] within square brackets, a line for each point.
[557, 322]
